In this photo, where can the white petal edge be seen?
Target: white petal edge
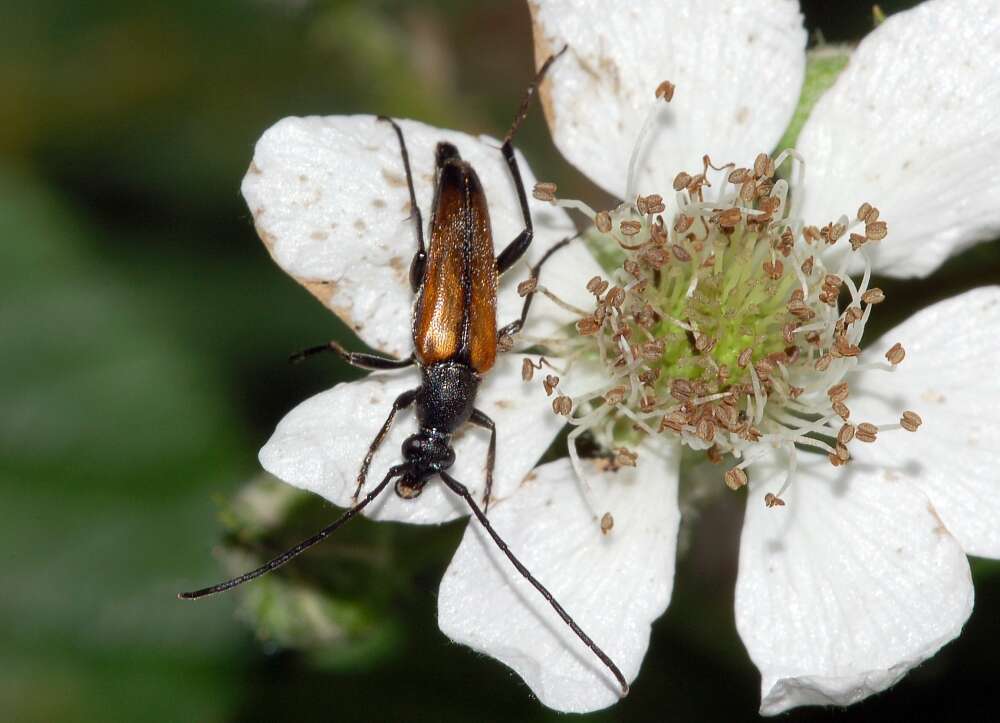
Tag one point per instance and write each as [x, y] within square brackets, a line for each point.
[847, 587]
[614, 585]
[738, 66]
[949, 377]
[319, 445]
[910, 126]
[329, 199]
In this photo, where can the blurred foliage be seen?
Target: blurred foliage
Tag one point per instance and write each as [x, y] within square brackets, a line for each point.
[145, 332]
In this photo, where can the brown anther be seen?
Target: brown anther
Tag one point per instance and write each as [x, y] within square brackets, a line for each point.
[866, 432]
[681, 389]
[588, 326]
[550, 383]
[836, 231]
[842, 347]
[654, 203]
[853, 314]
[772, 500]
[562, 405]
[765, 368]
[673, 421]
[807, 266]
[615, 395]
[652, 350]
[823, 363]
[747, 191]
[857, 241]
[833, 281]
[703, 343]
[625, 457]
[871, 216]
[681, 181]
[774, 270]
[813, 338]
[770, 204]
[843, 454]
[665, 91]
[607, 522]
[834, 460]
[730, 217]
[788, 331]
[528, 286]
[841, 410]
[910, 421]
[683, 222]
[603, 221]
[896, 354]
[706, 430]
[846, 434]
[615, 297]
[633, 268]
[735, 478]
[744, 358]
[811, 234]
[863, 210]
[597, 286]
[545, 191]
[828, 297]
[640, 205]
[874, 295]
[527, 370]
[876, 231]
[680, 253]
[795, 392]
[655, 257]
[762, 164]
[739, 175]
[723, 373]
[838, 392]
[630, 228]
[714, 454]
[797, 295]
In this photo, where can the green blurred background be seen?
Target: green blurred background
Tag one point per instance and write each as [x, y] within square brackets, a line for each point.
[144, 334]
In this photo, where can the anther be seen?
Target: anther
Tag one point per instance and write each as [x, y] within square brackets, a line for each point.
[665, 91]
[863, 210]
[846, 434]
[630, 228]
[736, 478]
[545, 191]
[681, 181]
[866, 432]
[607, 522]
[876, 231]
[527, 370]
[896, 354]
[874, 295]
[772, 500]
[603, 221]
[562, 405]
[625, 457]
[528, 286]
[550, 383]
[910, 421]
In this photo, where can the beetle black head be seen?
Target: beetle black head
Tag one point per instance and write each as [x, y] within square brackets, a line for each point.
[426, 454]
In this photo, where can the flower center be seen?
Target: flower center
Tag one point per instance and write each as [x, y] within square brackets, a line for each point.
[720, 325]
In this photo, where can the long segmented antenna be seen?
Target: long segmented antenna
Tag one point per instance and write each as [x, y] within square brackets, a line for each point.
[462, 491]
[295, 551]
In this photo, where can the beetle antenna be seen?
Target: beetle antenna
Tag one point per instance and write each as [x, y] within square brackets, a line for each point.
[462, 491]
[294, 551]
[529, 93]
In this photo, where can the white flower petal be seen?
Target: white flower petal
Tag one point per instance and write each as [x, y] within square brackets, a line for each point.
[329, 199]
[614, 585]
[319, 445]
[850, 585]
[949, 378]
[910, 126]
[738, 67]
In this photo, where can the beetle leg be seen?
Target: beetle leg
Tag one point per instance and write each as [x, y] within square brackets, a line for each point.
[515, 326]
[481, 420]
[419, 258]
[402, 402]
[355, 359]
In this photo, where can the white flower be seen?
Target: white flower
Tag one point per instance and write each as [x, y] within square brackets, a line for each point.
[862, 574]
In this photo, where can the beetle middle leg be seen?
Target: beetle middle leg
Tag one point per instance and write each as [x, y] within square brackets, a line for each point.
[515, 326]
[481, 420]
[361, 360]
[403, 401]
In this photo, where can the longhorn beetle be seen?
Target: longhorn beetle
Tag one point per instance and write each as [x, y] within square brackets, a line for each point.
[455, 341]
